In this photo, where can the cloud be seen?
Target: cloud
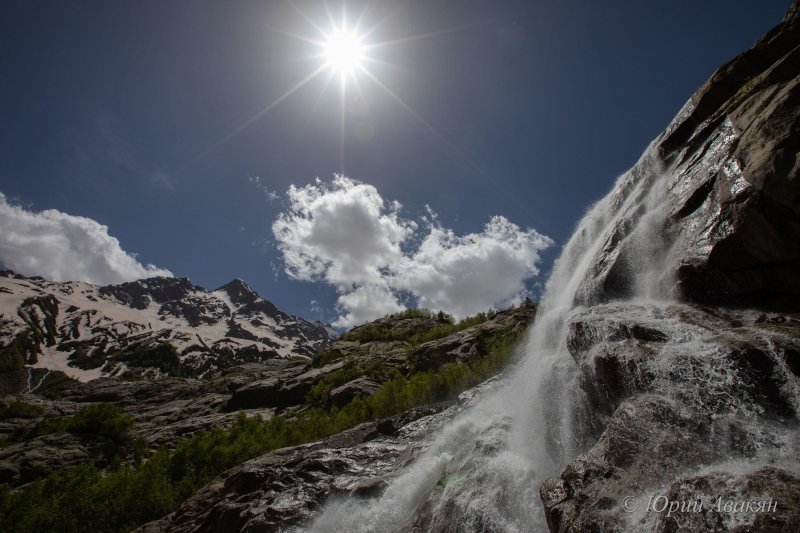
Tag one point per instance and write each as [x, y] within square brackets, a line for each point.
[365, 303]
[342, 233]
[464, 275]
[63, 247]
[261, 186]
[346, 235]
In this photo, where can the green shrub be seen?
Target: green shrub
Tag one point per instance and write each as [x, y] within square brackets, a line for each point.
[86, 499]
[415, 313]
[448, 328]
[102, 419]
[19, 409]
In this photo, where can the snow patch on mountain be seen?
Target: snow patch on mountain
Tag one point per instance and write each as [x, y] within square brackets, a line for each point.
[84, 330]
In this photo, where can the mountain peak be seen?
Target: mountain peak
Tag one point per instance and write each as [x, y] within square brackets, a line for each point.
[239, 292]
[160, 289]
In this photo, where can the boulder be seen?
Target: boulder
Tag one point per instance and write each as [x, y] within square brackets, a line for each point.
[280, 390]
[358, 388]
[34, 459]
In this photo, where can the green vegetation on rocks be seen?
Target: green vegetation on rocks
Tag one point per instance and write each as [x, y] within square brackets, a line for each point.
[444, 325]
[19, 409]
[131, 493]
[101, 419]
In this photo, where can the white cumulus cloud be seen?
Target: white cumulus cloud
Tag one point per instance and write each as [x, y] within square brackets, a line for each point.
[63, 247]
[364, 303]
[467, 274]
[345, 234]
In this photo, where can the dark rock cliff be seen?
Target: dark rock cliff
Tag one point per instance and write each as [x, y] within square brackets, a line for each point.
[734, 221]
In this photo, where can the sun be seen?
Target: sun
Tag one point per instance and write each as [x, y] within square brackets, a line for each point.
[344, 52]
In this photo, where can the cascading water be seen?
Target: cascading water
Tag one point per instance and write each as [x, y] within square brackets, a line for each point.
[484, 470]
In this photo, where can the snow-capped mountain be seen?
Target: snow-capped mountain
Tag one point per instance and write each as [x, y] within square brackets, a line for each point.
[148, 327]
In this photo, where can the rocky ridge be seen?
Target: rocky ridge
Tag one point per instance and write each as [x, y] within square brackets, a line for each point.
[146, 328]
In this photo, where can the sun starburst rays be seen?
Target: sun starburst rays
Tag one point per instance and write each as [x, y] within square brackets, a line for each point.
[344, 51]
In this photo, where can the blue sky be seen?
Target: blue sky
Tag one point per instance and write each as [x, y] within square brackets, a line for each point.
[144, 117]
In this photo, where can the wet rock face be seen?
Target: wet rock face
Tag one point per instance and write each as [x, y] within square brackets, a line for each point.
[620, 485]
[747, 212]
[689, 391]
[626, 349]
[730, 180]
[715, 497]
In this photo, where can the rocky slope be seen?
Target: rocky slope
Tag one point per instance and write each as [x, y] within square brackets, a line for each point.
[702, 403]
[282, 489]
[150, 327]
[171, 408]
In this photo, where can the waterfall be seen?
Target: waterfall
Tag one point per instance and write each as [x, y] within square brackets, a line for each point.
[483, 471]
